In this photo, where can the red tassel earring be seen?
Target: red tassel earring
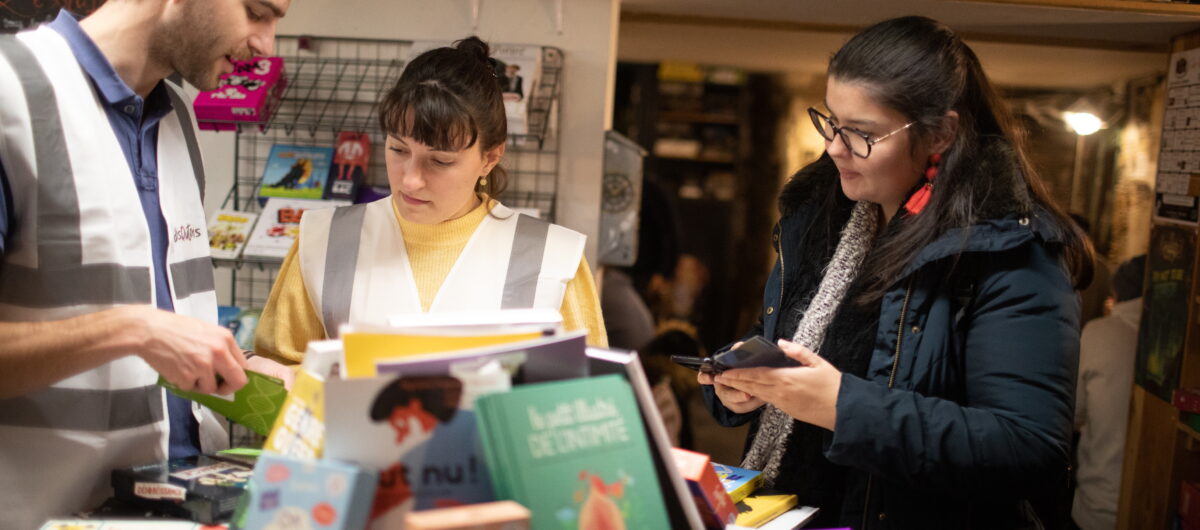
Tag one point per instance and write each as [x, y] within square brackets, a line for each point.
[917, 202]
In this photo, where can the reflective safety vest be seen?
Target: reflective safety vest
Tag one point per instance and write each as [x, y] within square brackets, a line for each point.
[79, 243]
[356, 270]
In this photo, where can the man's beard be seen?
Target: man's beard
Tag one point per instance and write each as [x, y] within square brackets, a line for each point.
[190, 49]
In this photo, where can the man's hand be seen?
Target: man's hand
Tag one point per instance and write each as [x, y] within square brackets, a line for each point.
[266, 366]
[197, 356]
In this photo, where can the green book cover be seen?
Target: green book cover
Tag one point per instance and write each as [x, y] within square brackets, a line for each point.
[573, 452]
[255, 405]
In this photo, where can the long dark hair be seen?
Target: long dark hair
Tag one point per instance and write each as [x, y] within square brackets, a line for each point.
[922, 69]
[449, 98]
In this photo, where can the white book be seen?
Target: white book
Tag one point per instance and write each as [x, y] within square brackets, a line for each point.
[279, 225]
[228, 231]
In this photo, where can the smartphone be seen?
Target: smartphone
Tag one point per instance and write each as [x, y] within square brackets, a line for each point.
[755, 352]
[700, 364]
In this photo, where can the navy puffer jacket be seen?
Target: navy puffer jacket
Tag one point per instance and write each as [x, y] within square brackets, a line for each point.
[974, 415]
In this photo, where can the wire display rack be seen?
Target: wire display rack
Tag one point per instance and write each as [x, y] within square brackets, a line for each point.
[335, 85]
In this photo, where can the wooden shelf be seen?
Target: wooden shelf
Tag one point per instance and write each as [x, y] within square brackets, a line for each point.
[698, 117]
[1132, 6]
[701, 160]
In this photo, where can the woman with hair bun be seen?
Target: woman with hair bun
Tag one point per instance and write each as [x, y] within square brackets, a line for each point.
[924, 291]
[441, 241]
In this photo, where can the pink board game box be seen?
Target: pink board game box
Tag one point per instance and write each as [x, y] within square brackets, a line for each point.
[245, 95]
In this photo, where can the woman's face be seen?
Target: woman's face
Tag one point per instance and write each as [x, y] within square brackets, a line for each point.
[892, 169]
[431, 186]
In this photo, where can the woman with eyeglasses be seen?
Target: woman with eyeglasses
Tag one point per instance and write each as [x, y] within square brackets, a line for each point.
[924, 288]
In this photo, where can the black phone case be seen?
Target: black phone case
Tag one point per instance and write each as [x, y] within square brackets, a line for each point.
[756, 352]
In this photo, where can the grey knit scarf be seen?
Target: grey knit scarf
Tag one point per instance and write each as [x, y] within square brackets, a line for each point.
[775, 426]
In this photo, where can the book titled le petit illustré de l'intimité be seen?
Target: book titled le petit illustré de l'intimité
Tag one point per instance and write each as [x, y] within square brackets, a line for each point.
[573, 452]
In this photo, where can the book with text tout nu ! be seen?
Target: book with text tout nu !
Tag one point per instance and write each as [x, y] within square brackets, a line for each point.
[573, 452]
[366, 345]
[738, 482]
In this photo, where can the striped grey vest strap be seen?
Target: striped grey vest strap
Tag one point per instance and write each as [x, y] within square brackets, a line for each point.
[58, 408]
[520, 285]
[181, 107]
[63, 278]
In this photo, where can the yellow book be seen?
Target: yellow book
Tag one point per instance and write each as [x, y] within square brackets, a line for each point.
[299, 429]
[757, 510]
[364, 349]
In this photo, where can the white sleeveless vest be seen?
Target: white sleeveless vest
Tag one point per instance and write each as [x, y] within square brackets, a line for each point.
[356, 269]
[78, 244]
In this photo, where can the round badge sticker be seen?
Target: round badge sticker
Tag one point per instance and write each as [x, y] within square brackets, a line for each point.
[324, 513]
[336, 484]
[277, 473]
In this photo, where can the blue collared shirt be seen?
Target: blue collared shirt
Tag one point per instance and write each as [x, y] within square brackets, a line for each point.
[134, 121]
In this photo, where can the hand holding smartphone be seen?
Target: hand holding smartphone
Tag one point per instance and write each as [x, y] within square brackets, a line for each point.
[755, 352]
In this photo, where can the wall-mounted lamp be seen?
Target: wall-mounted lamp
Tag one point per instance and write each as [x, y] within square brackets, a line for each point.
[1083, 123]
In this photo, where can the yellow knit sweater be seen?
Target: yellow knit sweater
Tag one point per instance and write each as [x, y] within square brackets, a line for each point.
[289, 320]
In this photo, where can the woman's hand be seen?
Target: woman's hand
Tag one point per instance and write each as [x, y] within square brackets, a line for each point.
[735, 400]
[807, 393]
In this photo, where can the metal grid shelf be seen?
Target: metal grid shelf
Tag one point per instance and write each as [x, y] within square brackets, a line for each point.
[335, 85]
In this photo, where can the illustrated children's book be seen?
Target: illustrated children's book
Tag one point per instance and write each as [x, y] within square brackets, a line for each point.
[351, 156]
[296, 171]
[737, 481]
[573, 452]
[279, 225]
[418, 432]
[228, 231]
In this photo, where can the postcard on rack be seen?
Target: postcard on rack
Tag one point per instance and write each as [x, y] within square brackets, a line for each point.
[351, 157]
[228, 231]
[279, 225]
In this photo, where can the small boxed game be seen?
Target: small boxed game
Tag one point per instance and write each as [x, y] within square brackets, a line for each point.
[288, 492]
[245, 95]
[201, 488]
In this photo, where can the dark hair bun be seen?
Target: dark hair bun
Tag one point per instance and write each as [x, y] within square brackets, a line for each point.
[476, 47]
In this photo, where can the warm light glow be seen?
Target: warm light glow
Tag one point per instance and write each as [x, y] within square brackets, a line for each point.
[1083, 123]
